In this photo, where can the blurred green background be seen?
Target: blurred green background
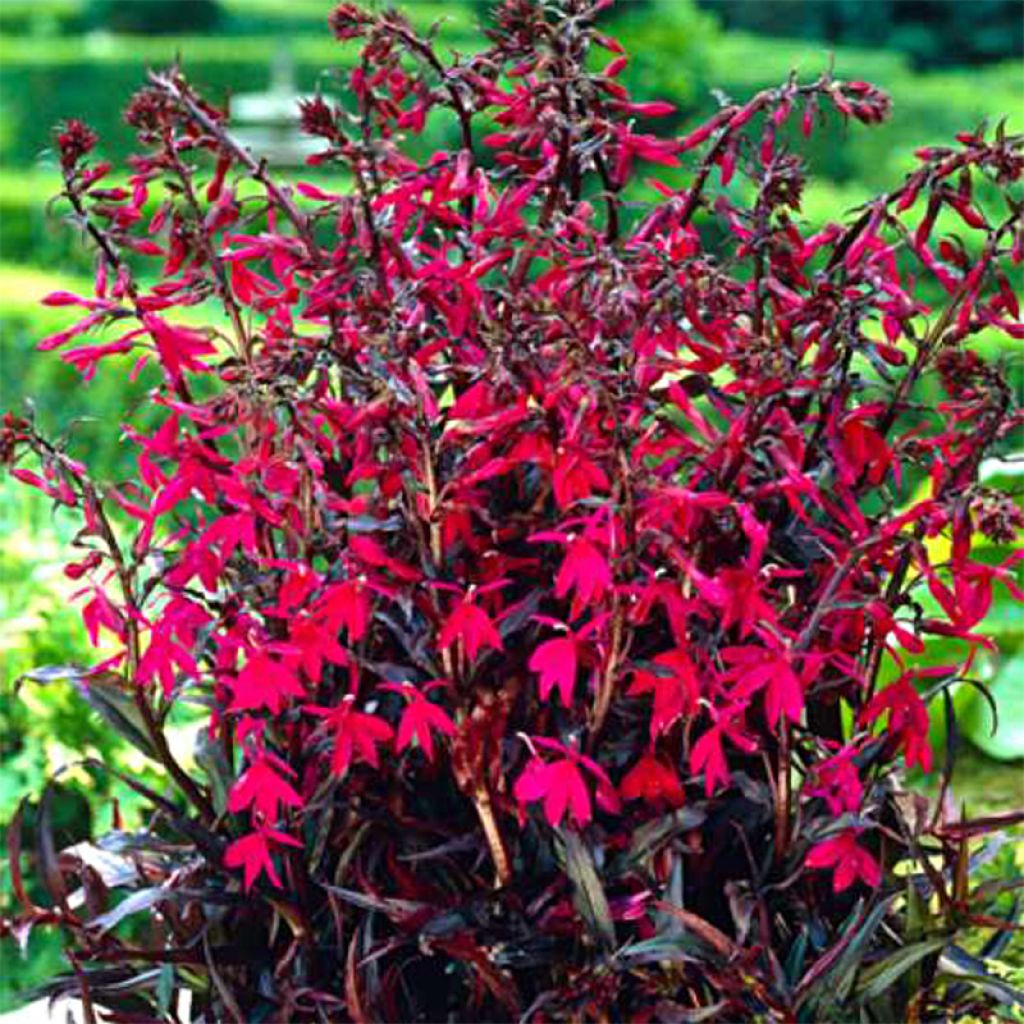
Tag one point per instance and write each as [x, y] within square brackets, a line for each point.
[947, 65]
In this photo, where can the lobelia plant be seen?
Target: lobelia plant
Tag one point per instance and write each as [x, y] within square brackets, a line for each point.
[540, 548]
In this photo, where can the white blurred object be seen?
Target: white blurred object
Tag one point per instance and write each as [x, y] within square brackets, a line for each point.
[267, 123]
[1013, 465]
[69, 1011]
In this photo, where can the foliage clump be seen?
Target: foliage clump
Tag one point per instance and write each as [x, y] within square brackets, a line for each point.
[546, 561]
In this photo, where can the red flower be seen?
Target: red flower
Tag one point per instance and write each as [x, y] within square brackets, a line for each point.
[908, 720]
[862, 451]
[755, 668]
[179, 347]
[651, 780]
[264, 787]
[555, 661]
[737, 593]
[74, 140]
[848, 859]
[420, 719]
[561, 784]
[347, 21]
[584, 569]
[469, 623]
[837, 781]
[99, 613]
[253, 853]
[346, 606]
[575, 477]
[317, 644]
[264, 683]
[707, 756]
[675, 687]
[356, 734]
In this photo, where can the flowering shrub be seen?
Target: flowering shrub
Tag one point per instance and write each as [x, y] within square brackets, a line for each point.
[543, 557]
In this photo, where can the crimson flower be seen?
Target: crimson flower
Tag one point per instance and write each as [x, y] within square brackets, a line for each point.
[759, 668]
[575, 477]
[346, 606]
[266, 683]
[736, 592]
[264, 787]
[675, 687]
[848, 859]
[561, 784]
[179, 347]
[317, 644]
[585, 570]
[837, 781]
[707, 754]
[908, 720]
[252, 852]
[469, 623]
[556, 662]
[74, 140]
[421, 718]
[652, 780]
[356, 734]
[862, 451]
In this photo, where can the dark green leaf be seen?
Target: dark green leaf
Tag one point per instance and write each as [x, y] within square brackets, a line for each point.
[880, 977]
[849, 963]
[45, 675]
[1001, 939]
[958, 963]
[651, 836]
[210, 757]
[794, 965]
[106, 695]
[828, 982]
[588, 893]
[917, 911]
[165, 990]
[660, 949]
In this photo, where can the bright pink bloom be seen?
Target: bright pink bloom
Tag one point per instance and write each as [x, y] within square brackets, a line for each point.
[585, 570]
[848, 859]
[575, 477]
[471, 625]
[264, 787]
[420, 719]
[179, 347]
[837, 781]
[253, 853]
[908, 720]
[346, 606]
[673, 682]
[356, 734]
[555, 661]
[758, 669]
[264, 683]
[561, 785]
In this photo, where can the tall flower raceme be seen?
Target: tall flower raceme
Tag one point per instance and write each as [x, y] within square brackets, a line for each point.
[545, 557]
